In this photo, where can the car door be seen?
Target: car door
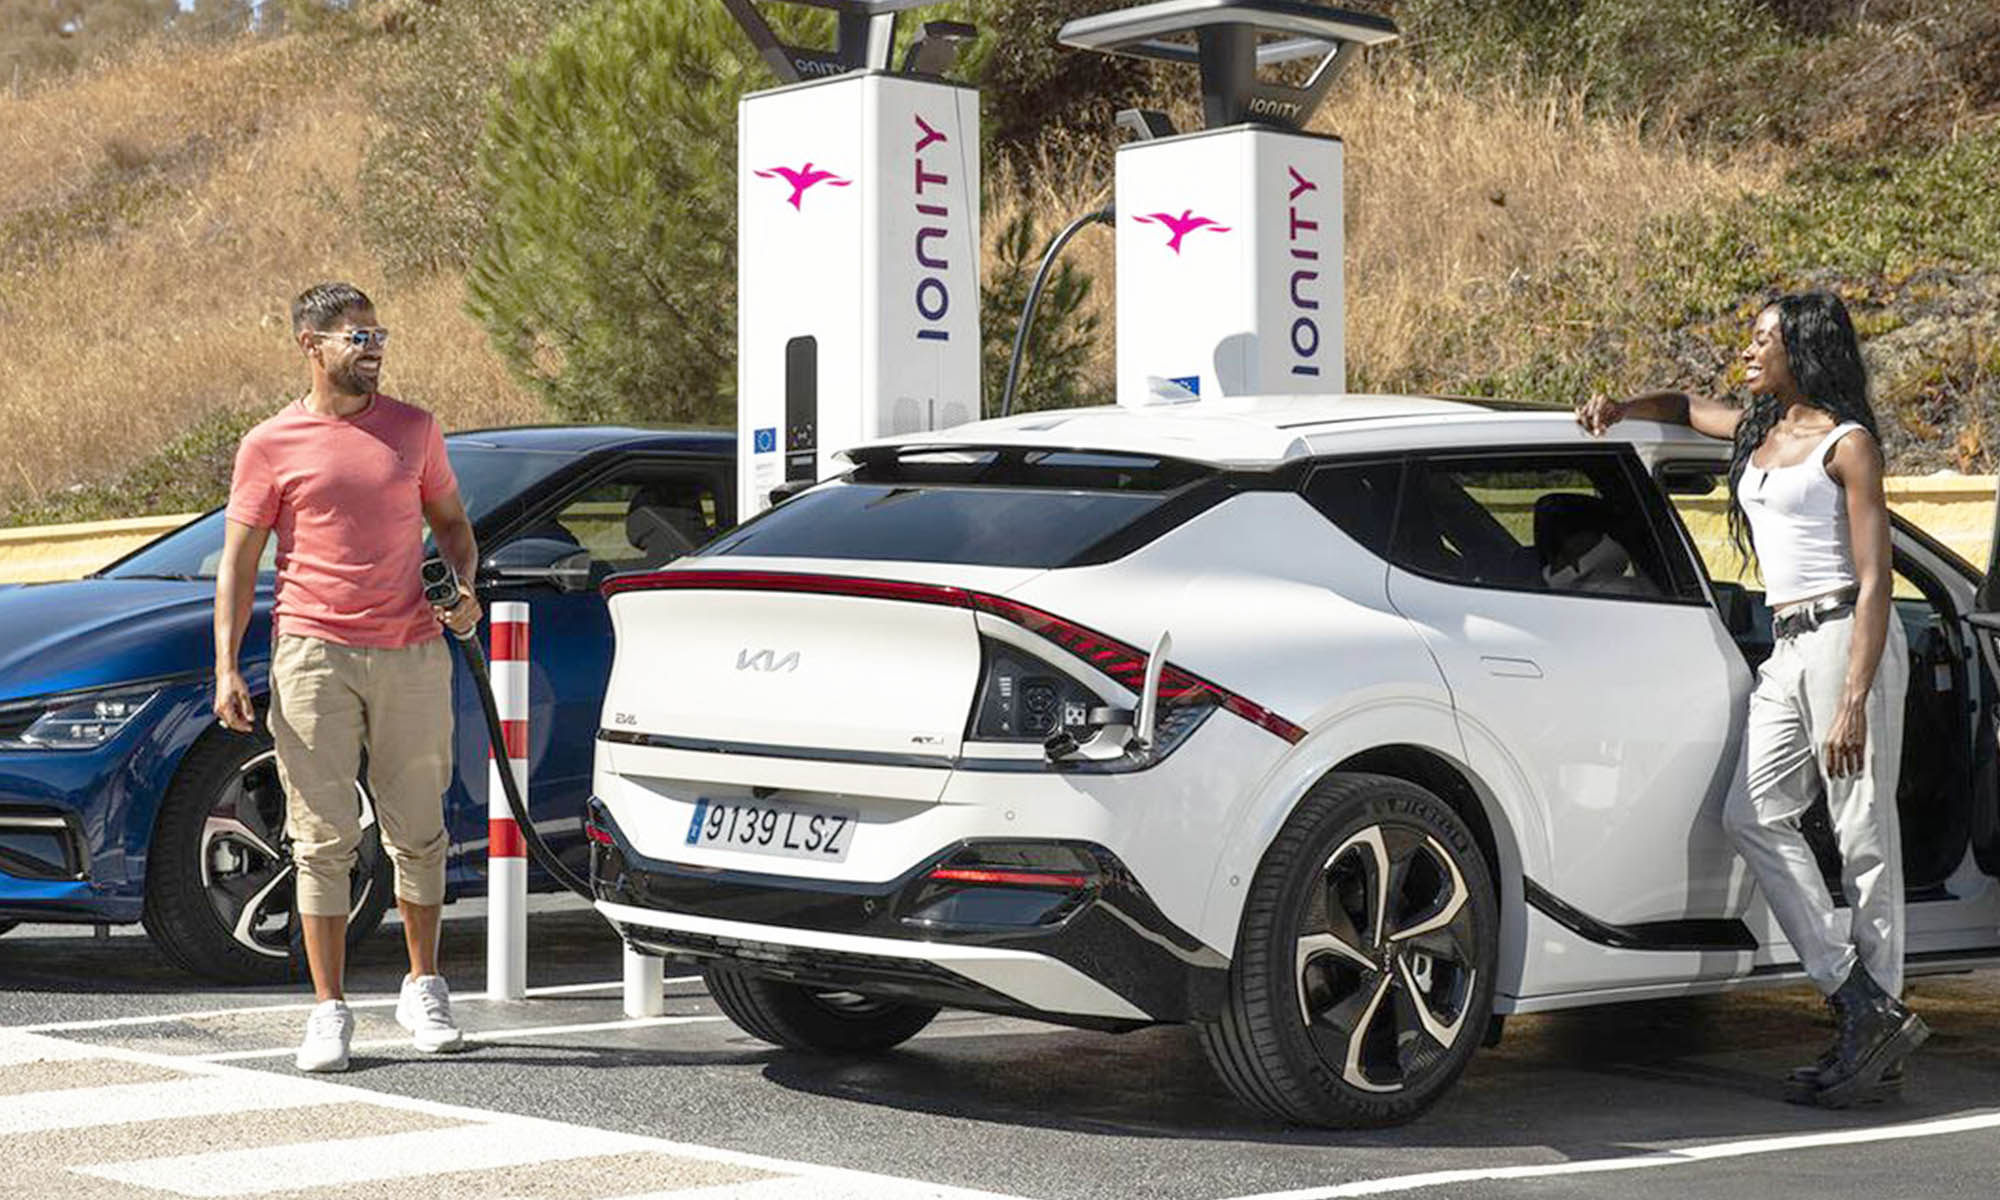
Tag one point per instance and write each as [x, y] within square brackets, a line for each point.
[634, 514]
[1587, 666]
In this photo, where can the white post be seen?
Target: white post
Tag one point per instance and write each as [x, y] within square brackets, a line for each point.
[506, 852]
[645, 984]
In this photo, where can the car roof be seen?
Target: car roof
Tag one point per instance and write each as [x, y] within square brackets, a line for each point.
[588, 439]
[1255, 432]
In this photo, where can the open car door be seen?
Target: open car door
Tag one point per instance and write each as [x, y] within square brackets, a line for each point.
[1985, 619]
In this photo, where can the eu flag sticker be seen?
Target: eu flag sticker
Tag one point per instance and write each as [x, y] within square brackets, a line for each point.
[765, 441]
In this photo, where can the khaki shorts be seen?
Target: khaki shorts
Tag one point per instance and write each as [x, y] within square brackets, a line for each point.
[330, 702]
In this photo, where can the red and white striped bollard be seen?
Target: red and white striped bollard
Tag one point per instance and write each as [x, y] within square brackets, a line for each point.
[506, 851]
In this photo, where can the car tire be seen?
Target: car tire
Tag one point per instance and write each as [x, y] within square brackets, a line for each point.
[1364, 969]
[802, 1018]
[219, 886]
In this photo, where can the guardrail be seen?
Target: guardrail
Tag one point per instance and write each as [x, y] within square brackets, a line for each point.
[1955, 509]
[35, 553]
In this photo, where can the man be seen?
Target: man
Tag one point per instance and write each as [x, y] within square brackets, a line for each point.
[346, 476]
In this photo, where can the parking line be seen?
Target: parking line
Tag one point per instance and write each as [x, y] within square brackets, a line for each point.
[1683, 1156]
[561, 989]
[484, 1035]
[541, 1130]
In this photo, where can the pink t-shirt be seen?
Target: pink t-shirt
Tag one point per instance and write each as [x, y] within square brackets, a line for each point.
[345, 496]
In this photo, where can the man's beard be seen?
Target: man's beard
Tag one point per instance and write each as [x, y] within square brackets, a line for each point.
[351, 380]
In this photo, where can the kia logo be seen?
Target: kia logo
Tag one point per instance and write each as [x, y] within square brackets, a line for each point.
[1181, 226]
[766, 660]
[803, 180]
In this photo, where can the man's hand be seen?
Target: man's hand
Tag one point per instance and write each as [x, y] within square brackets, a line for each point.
[232, 701]
[1847, 742]
[461, 618]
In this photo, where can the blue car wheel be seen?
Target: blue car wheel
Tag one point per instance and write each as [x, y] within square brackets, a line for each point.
[219, 880]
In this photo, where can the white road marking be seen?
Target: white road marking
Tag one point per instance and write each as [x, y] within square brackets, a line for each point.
[353, 1160]
[538, 1131]
[1678, 1157]
[483, 1035]
[796, 1188]
[125, 1103]
[564, 989]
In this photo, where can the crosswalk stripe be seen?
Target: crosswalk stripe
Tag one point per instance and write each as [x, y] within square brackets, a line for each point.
[493, 1035]
[477, 1153]
[119, 1104]
[22, 1078]
[354, 1160]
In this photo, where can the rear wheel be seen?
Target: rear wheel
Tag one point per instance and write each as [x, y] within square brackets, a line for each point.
[219, 876]
[1363, 978]
[803, 1018]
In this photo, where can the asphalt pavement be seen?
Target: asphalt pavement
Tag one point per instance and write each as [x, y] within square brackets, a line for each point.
[121, 1077]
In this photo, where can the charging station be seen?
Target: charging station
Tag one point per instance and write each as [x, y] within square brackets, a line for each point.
[1229, 242]
[858, 245]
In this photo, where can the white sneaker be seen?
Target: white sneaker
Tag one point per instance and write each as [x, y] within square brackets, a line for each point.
[424, 1009]
[329, 1030]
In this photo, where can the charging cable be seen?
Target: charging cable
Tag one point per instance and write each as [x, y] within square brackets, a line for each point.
[441, 590]
[1103, 216]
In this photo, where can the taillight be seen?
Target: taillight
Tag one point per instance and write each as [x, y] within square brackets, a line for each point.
[1120, 661]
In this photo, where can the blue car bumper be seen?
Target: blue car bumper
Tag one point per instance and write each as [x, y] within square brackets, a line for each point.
[74, 824]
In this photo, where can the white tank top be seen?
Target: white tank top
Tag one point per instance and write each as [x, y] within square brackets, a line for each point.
[1798, 522]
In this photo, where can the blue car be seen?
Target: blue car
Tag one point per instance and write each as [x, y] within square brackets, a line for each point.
[123, 799]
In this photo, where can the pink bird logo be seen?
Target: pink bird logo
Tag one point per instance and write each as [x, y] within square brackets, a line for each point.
[1182, 225]
[803, 180]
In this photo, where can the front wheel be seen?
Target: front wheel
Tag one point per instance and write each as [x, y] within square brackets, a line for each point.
[1363, 977]
[219, 877]
[803, 1018]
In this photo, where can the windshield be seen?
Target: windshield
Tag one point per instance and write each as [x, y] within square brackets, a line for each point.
[488, 478]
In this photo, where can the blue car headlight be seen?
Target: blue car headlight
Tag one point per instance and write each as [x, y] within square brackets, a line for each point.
[77, 722]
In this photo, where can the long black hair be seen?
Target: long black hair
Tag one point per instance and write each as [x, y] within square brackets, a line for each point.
[1825, 358]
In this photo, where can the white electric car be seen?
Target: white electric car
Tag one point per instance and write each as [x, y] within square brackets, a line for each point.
[1338, 727]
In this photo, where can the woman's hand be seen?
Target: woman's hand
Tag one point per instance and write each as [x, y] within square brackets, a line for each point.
[1847, 741]
[1600, 413]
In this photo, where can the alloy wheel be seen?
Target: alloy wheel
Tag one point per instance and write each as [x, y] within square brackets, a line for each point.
[246, 860]
[1387, 958]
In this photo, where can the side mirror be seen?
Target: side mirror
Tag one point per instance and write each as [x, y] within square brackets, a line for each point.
[1732, 600]
[562, 565]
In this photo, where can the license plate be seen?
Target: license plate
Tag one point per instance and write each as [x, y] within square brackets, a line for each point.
[763, 827]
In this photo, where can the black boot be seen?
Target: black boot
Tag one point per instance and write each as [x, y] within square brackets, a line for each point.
[1876, 1033]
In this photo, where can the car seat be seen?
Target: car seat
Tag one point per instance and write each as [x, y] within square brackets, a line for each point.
[662, 523]
[1579, 552]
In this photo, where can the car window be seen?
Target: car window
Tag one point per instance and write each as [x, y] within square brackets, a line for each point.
[1531, 522]
[638, 518]
[1360, 498]
[490, 478]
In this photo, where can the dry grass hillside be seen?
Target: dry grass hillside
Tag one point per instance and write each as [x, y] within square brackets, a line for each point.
[1512, 230]
[155, 219]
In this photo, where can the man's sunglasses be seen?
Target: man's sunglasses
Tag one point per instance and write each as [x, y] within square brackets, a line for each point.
[359, 338]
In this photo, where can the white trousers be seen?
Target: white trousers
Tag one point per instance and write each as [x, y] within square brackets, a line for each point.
[1791, 713]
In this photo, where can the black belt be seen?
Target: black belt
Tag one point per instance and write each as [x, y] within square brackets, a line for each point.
[1805, 618]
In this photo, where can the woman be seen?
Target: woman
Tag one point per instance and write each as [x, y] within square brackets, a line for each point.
[1805, 493]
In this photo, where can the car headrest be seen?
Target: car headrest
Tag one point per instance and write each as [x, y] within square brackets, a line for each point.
[1576, 539]
[662, 526]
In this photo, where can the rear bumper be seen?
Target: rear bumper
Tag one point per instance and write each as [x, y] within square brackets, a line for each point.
[1100, 956]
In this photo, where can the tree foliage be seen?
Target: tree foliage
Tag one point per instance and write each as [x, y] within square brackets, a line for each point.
[422, 198]
[608, 277]
[1060, 337]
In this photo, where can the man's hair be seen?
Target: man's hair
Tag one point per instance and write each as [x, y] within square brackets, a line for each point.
[320, 305]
